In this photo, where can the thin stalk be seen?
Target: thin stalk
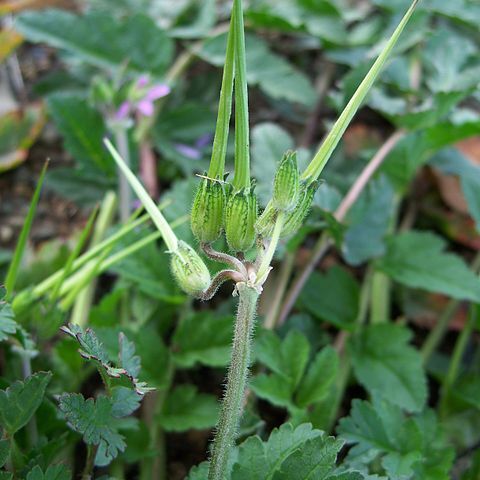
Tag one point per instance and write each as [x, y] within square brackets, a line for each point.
[280, 288]
[219, 149]
[124, 191]
[89, 462]
[380, 303]
[457, 356]
[436, 335]
[14, 267]
[264, 268]
[242, 137]
[236, 381]
[161, 223]
[84, 300]
[312, 172]
[324, 242]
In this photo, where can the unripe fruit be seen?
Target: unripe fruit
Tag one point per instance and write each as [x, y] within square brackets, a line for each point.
[286, 185]
[240, 218]
[297, 216]
[208, 211]
[189, 270]
[266, 222]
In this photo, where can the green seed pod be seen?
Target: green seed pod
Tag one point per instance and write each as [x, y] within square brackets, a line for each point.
[189, 270]
[266, 222]
[208, 211]
[297, 216]
[286, 185]
[240, 217]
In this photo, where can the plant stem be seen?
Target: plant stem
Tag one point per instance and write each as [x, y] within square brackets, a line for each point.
[280, 288]
[457, 356]
[438, 332]
[219, 149]
[236, 381]
[380, 301]
[90, 462]
[242, 148]
[124, 191]
[83, 302]
[264, 267]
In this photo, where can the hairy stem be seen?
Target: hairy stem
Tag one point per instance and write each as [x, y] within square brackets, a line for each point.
[124, 192]
[264, 268]
[236, 381]
[224, 258]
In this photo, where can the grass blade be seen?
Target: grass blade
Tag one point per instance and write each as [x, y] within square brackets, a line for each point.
[14, 267]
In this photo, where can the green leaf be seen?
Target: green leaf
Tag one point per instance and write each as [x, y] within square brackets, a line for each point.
[83, 130]
[187, 409]
[339, 303]
[272, 73]
[124, 401]
[273, 388]
[14, 266]
[53, 472]
[388, 367]
[319, 378]
[127, 358]
[4, 451]
[300, 450]
[136, 43]
[19, 402]
[417, 260]
[199, 472]
[410, 446]
[210, 345]
[8, 325]
[94, 421]
[370, 219]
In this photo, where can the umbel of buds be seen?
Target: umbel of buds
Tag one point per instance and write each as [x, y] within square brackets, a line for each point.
[189, 270]
[286, 184]
[240, 218]
[207, 215]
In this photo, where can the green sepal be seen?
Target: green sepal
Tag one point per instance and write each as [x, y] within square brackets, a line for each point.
[297, 216]
[286, 185]
[189, 270]
[207, 216]
[240, 218]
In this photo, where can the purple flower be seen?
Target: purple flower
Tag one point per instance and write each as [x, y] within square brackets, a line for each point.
[144, 98]
[188, 151]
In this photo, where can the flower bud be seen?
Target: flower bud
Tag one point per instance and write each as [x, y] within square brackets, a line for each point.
[208, 211]
[189, 270]
[266, 222]
[297, 216]
[240, 217]
[286, 184]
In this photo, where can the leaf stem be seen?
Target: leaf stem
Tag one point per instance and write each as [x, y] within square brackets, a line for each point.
[457, 356]
[264, 268]
[90, 462]
[236, 381]
[242, 148]
[124, 191]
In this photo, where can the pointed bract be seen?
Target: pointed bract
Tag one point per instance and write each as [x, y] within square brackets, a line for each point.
[286, 185]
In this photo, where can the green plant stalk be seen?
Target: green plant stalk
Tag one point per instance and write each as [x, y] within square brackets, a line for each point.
[380, 301]
[314, 169]
[26, 297]
[124, 191]
[14, 267]
[264, 268]
[438, 332]
[158, 219]
[73, 255]
[241, 177]
[219, 149]
[84, 300]
[457, 356]
[236, 382]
